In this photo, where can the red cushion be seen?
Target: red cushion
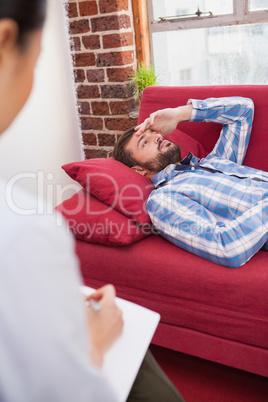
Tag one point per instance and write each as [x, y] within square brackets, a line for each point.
[114, 184]
[92, 221]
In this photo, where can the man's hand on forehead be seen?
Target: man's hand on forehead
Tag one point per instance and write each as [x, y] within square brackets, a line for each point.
[165, 121]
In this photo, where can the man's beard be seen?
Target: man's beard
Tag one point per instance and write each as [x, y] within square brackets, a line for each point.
[163, 159]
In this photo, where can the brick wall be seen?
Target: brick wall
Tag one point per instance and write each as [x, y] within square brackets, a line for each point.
[104, 55]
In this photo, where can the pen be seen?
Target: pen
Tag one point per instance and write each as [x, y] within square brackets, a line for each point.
[93, 304]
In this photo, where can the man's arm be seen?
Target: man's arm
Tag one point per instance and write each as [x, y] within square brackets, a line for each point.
[192, 227]
[236, 116]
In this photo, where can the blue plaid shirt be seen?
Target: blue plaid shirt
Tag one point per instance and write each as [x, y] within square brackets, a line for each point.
[215, 207]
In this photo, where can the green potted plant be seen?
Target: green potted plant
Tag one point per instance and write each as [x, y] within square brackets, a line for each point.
[141, 78]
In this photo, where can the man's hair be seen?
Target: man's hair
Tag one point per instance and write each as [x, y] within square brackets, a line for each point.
[120, 153]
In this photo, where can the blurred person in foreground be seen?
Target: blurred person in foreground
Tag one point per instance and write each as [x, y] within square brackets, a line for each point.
[51, 345]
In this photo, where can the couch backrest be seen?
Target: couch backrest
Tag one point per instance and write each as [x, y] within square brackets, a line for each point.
[159, 97]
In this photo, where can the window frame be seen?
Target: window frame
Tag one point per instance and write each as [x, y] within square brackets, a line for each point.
[240, 16]
[141, 28]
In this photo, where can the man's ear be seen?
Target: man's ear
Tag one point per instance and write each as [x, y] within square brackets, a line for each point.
[140, 170]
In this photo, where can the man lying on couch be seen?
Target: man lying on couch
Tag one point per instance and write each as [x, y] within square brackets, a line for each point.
[214, 207]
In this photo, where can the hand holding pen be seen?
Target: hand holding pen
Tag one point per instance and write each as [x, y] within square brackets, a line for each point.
[104, 320]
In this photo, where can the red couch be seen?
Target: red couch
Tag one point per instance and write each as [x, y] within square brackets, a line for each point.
[207, 310]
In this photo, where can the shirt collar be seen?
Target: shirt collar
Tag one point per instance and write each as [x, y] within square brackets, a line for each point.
[187, 160]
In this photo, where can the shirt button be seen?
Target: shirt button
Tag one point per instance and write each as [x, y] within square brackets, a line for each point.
[192, 168]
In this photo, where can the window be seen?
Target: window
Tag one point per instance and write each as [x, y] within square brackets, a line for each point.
[189, 48]
[185, 76]
[255, 5]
